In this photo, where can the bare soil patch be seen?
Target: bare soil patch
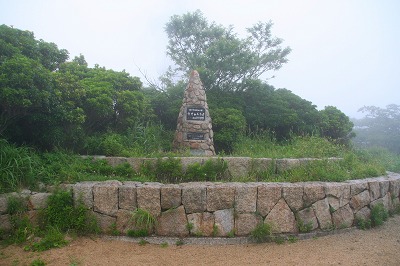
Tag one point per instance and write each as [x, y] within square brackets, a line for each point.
[378, 246]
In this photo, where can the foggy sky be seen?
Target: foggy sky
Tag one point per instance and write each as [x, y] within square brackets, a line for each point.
[345, 53]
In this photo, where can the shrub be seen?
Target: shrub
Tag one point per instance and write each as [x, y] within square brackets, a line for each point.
[62, 214]
[211, 170]
[261, 233]
[378, 215]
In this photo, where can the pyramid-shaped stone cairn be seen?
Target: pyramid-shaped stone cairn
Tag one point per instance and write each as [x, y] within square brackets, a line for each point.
[194, 128]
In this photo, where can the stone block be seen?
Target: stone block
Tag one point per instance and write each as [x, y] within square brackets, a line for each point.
[282, 218]
[283, 165]
[313, 192]
[246, 222]
[202, 223]
[364, 214]
[124, 221]
[172, 223]
[374, 190]
[220, 197]
[238, 166]
[293, 195]
[360, 200]
[307, 216]
[385, 201]
[114, 161]
[149, 198]
[136, 163]
[171, 196]
[268, 195]
[343, 218]
[224, 221]
[105, 197]
[127, 196]
[3, 203]
[357, 186]
[323, 214]
[246, 198]
[384, 186]
[394, 187]
[260, 165]
[38, 201]
[339, 191]
[5, 224]
[104, 222]
[194, 198]
[83, 192]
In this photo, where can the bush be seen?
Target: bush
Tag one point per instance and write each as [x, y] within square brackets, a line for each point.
[262, 233]
[211, 170]
[63, 215]
[378, 215]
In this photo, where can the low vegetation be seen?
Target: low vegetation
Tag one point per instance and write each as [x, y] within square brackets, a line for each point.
[59, 218]
[24, 167]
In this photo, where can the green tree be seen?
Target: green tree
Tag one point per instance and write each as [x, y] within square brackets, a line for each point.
[223, 60]
[380, 127]
[230, 125]
[25, 87]
[336, 125]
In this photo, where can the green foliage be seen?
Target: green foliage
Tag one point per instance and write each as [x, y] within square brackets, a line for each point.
[143, 242]
[17, 166]
[303, 227]
[137, 233]
[164, 245]
[113, 230]
[336, 125]
[164, 170]
[143, 219]
[279, 240]
[378, 215]
[37, 262]
[179, 243]
[261, 233]
[211, 170]
[363, 224]
[61, 213]
[223, 59]
[264, 145]
[16, 205]
[228, 124]
[53, 238]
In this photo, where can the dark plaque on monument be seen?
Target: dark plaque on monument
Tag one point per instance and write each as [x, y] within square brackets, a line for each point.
[195, 136]
[196, 113]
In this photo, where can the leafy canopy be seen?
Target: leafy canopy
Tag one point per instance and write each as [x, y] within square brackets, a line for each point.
[223, 59]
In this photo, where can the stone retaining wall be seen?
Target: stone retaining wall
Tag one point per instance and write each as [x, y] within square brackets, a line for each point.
[220, 209]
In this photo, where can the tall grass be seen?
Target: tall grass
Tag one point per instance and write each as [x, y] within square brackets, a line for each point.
[17, 166]
[264, 146]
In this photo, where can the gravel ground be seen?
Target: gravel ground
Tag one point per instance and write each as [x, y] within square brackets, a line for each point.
[378, 246]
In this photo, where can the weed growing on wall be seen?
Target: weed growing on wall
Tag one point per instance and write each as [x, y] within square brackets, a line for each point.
[262, 233]
[378, 215]
[211, 170]
[61, 213]
[143, 219]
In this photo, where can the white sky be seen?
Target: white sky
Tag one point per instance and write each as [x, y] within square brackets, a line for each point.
[345, 53]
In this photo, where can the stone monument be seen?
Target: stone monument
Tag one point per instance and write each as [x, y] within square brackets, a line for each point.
[194, 128]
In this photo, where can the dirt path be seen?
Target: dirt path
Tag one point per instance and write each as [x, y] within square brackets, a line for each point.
[379, 246]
